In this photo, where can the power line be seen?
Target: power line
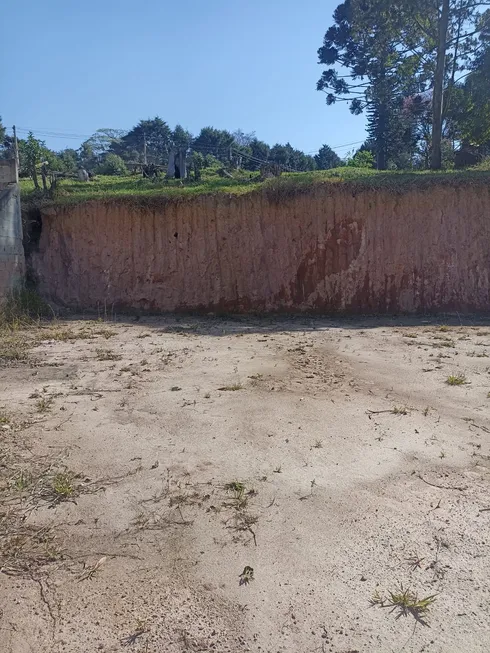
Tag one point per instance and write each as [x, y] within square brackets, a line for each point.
[221, 150]
[249, 156]
[46, 134]
[337, 147]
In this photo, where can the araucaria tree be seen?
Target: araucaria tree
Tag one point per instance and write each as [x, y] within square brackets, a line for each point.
[381, 52]
[366, 41]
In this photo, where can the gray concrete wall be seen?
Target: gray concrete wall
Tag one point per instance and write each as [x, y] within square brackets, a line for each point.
[12, 263]
[8, 172]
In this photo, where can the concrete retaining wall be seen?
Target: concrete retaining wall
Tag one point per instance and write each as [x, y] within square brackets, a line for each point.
[12, 265]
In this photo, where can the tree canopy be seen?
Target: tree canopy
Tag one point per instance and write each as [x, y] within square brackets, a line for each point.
[383, 54]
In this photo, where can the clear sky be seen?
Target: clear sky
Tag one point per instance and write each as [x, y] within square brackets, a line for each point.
[74, 66]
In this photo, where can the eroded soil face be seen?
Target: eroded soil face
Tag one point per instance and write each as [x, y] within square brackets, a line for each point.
[187, 484]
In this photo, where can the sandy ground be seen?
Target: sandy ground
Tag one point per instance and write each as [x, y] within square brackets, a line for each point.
[145, 464]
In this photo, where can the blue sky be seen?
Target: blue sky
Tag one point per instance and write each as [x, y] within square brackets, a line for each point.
[73, 66]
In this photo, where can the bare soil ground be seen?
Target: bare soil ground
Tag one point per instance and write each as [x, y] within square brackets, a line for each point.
[190, 484]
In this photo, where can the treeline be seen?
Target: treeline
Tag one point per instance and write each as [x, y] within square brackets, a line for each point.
[420, 70]
[114, 152]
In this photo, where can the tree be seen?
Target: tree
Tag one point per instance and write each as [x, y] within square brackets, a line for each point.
[257, 153]
[281, 154]
[148, 142]
[361, 159]
[438, 90]
[242, 139]
[6, 142]
[291, 159]
[181, 138]
[365, 39]
[302, 162]
[467, 107]
[86, 156]
[68, 160]
[197, 163]
[447, 34]
[103, 140]
[217, 142]
[34, 155]
[327, 158]
[31, 153]
[112, 164]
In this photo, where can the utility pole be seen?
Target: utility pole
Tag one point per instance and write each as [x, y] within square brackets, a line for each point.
[145, 160]
[16, 155]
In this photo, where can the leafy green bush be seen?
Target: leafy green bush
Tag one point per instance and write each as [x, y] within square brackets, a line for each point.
[361, 159]
[112, 165]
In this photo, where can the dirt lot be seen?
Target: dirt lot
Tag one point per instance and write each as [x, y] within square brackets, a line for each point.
[186, 484]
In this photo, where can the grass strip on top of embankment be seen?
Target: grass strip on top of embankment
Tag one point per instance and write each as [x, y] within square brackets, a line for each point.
[136, 189]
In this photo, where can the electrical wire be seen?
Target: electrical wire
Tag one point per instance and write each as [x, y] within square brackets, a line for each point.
[220, 150]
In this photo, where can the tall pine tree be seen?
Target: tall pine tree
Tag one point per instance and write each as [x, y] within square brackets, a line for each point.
[366, 40]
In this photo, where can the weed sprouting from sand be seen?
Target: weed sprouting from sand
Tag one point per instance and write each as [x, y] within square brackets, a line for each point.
[107, 355]
[62, 484]
[239, 491]
[405, 602]
[231, 388]
[44, 404]
[399, 410]
[456, 379]
[4, 417]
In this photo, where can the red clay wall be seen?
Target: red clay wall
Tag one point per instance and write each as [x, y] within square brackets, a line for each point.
[328, 249]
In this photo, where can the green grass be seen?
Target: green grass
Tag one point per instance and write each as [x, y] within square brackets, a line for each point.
[62, 485]
[134, 188]
[23, 308]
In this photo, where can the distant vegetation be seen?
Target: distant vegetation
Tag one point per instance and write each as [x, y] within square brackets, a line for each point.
[104, 188]
[419, 69]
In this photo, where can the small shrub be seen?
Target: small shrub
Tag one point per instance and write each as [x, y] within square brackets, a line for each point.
[44, 404]
[405, 602]
[113, 164]
[63, 485]
[361, 159]
[456, 379]
[107, 355]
